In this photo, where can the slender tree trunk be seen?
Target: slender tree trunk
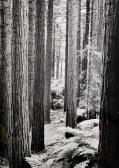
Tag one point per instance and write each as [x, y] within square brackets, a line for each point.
[48, 67]
[71, 118]
[78, 51]
[53, 60]
[109, 117]
[20, 117]
[31, 57]
[86, 35]
[66, 61]
[39, 81]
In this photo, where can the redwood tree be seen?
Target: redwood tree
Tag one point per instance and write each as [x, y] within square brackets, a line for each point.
[49, 57]
[5, 73]
[31, 56]
[109, 117]
[71, 75]
[20, 115]
[39, 79]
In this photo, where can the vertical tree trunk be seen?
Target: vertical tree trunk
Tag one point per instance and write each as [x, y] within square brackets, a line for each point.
[86, 35]
[48, 67]
[5, 73]
[53, 59]
[20, 118]
[71, 118]
[78, 51]
[39, 81]
[109, 117]
[31, 57]
[66, 61]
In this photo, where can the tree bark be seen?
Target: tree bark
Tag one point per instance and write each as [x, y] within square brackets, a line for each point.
[66, 61]
[109, 117]
[5, 73]
[31, 56]
[71, 118]
[20, 115]
[48, 67]
[53, 60]
[39, 81]
[78, 51]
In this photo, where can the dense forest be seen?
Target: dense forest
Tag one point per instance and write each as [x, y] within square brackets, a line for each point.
[59, 83]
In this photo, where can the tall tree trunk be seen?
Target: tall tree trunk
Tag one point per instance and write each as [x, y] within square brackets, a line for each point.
[86, 35]
[48, 67]
[71, 118]
[20, 117]
[78, 51]
[39, 81]
[109, 117]
[66, 61]
[5, 73]
[31, 57]
[53, 59]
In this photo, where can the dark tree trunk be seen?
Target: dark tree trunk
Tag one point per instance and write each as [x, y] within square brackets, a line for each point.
[86, 35]
[5, 73]
[39, 81]
[20, 114]
[109, 117]
[48, 67]
[31, 56]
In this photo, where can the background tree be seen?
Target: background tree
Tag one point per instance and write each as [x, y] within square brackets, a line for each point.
[71, 119]
[109, 125]
[39, 81]
[66, 61]
[78, 51]
[49, 57]
[53, 50]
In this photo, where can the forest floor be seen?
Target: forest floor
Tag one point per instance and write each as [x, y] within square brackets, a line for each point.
[79, 151]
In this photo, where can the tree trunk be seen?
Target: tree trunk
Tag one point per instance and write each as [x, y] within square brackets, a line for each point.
[31, 57]
[39, 81]
[53, 59]
[66, 61]
[78, 51]
[20, 117]
[86, 35]
[71, 118]
[109, 117]
[5, 73]
[48, 67]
